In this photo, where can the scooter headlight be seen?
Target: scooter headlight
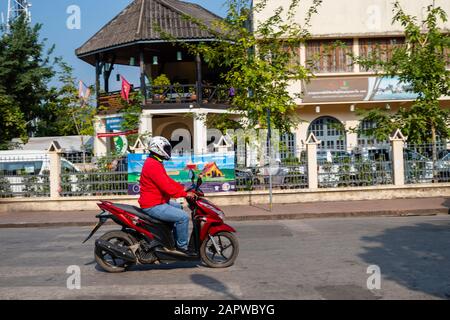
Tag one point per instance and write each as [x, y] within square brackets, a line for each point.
[216, 211]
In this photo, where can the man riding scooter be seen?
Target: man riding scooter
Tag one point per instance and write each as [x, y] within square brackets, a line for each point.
[157, 190]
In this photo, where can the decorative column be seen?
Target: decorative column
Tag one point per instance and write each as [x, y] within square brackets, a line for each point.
[55, 170]
[352, 137]
[311, 153]
[398, 164]
[146, 124]
[100, 144]
[200, 133]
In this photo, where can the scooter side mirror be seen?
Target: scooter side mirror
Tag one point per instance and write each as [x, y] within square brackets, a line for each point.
[192, 175]
[199, 181]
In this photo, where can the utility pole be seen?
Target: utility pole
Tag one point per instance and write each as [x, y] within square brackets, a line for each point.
[269, 138]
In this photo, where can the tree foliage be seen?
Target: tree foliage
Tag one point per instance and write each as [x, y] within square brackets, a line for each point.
[64, 113]
[25, 72]
[28, 104]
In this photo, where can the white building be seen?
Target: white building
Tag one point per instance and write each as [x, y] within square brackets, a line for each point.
[340, 87]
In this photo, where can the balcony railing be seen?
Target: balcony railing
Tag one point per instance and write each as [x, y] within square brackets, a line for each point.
[184, 94]
[189, 93]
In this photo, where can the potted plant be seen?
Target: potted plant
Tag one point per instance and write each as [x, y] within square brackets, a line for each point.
[193, 93]
[160, 85]
[179, 92]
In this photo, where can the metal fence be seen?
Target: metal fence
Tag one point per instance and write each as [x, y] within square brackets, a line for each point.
[363, 166]
[288, 169]
[101, 176]
[28, 175]
[426, 163]
[24, 176]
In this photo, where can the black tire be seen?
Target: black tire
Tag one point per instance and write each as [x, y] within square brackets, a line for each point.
[228, 258]
[100, 256]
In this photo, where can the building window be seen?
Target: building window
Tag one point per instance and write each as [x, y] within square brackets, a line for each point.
[330, 132]
[288, 146]
[364, 138]
[294, 54]
[380, 48]
[329, 56]
[447, 55]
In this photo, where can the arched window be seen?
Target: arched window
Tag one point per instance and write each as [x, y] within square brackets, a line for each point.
[330, 131]
[364, 137]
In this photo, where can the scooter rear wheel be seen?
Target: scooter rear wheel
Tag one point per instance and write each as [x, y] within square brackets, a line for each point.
[105, 260]
[229, 250]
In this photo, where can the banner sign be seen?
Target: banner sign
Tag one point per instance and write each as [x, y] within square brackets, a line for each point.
[356, 89]
[116, 134]
[217, 169]
[336, 90]
[114, 124]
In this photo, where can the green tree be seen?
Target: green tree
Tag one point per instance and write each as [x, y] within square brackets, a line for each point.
[131, 116]
[421, 63]
[259, 59]
[64, 113]
[12, 122]
[25, 72]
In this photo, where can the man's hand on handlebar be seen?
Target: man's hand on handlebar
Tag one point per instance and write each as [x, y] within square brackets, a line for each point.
[191, 195]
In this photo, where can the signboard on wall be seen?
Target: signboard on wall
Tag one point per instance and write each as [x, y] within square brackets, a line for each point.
[218, 170]
[114, 124]
[356, 89]
[335, 90]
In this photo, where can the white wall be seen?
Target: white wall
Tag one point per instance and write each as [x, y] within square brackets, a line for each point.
[354, 17]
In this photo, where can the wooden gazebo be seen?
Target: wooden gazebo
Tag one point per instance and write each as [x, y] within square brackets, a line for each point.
[133, 38]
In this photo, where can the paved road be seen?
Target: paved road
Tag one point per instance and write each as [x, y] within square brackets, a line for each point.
[308, 259]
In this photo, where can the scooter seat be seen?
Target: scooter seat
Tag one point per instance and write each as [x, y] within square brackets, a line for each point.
[141, 214]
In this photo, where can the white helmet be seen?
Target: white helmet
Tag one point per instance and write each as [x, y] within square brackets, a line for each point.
[161, 147]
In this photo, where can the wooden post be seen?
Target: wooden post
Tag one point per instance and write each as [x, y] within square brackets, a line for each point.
[142, 69]
[107, 73]
[97, 79]
[198, 60]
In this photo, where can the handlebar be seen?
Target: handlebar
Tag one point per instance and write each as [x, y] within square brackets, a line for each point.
[196, 189]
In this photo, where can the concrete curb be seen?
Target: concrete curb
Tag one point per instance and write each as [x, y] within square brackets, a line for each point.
[263, 217]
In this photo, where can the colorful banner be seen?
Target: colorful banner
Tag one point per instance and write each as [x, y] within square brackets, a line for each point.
[217, 169]
[352, 89]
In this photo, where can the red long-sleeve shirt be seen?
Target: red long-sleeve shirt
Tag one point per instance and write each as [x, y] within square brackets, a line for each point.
[156, 186]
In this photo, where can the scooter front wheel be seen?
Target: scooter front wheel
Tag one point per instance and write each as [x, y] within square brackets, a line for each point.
[220, 250]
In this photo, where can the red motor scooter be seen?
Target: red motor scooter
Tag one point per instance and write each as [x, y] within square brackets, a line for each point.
[144, 240]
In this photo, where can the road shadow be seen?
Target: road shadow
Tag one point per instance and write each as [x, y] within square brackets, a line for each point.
[169, 266]
[213, 285]
[416, 257]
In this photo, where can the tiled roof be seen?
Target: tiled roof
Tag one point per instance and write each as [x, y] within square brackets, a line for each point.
[137, 22]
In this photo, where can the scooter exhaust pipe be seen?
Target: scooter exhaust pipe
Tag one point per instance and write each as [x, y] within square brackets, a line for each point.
[115, 251]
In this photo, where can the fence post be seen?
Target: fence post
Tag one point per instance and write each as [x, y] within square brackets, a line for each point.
[140, 146]
[398, 164]
[311, 153]
[54, 152]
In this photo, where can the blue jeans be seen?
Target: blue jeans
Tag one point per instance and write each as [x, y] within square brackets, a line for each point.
[173, 212]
